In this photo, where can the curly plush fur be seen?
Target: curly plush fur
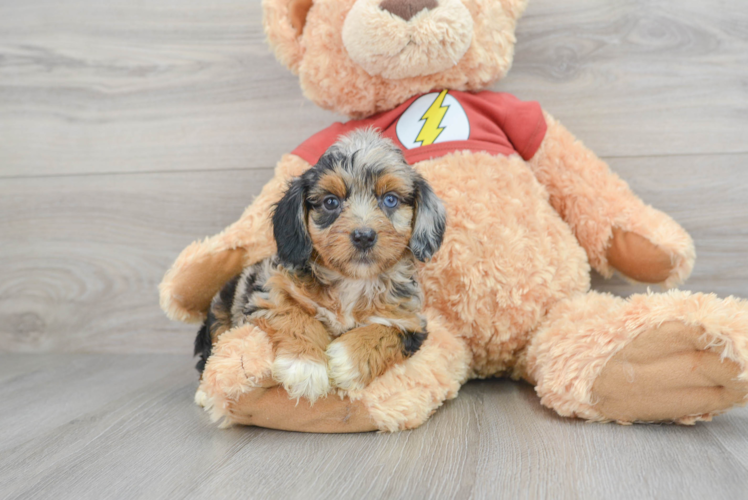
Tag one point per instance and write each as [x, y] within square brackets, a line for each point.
[508, 293]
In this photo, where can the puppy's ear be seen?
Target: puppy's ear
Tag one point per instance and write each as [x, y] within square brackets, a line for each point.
[289, 226]
[429, 223]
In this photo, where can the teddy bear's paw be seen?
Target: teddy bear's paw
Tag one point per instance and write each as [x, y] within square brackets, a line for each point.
[672, 372]
[343, 371]
[302, 378]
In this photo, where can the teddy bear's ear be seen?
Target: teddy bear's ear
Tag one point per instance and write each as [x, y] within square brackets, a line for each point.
[514, 8]
[284, 22]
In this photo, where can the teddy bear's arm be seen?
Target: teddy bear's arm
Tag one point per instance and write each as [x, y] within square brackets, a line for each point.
[205, 266]
[617, 230]
[238, 387]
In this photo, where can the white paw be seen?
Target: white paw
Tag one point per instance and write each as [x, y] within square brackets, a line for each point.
[301, 378]
[201, 399]
[342, 372]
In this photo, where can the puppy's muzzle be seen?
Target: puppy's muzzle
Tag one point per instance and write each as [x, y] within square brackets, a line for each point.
[363, 238]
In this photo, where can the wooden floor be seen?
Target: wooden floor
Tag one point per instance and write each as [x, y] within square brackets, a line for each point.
[94, 426]
[129, 129]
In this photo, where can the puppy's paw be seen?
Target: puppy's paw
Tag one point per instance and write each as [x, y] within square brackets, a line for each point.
[302, 378]
[201, 398]
[343, 371]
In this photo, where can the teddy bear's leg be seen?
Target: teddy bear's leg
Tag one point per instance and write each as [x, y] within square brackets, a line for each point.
[617, 230]
[205, 266]
[237, 387]
[672, 357]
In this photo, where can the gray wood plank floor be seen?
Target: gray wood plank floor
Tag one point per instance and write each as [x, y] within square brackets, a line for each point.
[129, 129]
[123, 426]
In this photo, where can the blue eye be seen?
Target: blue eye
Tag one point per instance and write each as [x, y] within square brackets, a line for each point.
[331, 203]
[390, 200]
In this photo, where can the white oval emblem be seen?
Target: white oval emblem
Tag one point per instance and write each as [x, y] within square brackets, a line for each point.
[431, 119]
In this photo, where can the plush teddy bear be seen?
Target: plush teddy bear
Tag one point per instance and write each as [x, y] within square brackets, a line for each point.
[529, 211]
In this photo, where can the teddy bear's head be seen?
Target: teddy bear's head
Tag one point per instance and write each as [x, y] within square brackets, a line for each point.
[359, 57]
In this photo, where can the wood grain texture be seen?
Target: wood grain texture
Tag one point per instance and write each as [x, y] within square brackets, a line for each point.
[639, 77]
[87, 87]
[84, 255]
[138, 435]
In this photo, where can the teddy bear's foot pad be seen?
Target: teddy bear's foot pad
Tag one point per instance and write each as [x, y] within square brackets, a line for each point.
[275, 409]
[674, 372]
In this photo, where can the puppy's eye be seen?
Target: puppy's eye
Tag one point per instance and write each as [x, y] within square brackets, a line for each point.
[331, 203]
[390, 200]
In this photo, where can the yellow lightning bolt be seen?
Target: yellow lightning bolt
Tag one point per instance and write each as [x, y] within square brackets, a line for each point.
[433, 118]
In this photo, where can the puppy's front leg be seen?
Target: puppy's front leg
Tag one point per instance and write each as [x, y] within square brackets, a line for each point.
[300, 361]
[360, 355]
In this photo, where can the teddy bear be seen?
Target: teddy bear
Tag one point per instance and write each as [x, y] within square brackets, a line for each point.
[530, 211]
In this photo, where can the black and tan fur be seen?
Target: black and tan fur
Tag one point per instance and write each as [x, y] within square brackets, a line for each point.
[340, 301]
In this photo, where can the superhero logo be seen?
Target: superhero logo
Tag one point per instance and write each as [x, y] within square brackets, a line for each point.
[431, 119]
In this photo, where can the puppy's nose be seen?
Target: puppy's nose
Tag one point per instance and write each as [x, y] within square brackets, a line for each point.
[363, 238]
[407, 8]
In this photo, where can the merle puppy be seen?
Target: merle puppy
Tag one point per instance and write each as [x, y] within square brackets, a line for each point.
[340, 300]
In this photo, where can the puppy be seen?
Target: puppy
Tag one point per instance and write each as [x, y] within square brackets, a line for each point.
[340, 300]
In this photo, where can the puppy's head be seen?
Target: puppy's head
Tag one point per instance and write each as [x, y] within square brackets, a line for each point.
[359, 210]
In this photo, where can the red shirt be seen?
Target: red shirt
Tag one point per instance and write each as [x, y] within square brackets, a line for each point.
[438, 123]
